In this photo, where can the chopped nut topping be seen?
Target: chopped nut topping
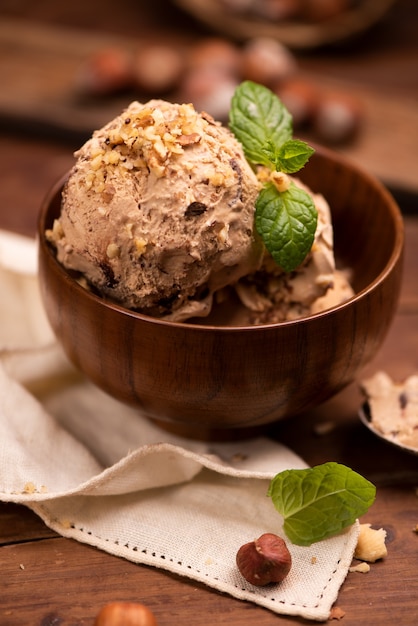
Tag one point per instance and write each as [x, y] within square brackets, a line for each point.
[187, 140]
[280, 180]
[144, 137]
[140, 246]
[217, 179]
[112, 251]
[223, 234]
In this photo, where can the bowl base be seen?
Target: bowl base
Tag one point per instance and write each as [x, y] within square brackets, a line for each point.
[204, 433]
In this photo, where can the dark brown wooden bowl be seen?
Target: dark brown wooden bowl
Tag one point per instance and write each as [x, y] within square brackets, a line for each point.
[219, 377]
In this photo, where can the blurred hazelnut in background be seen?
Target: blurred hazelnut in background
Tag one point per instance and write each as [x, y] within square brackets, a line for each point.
[157, 68]
[267, 61]
[107, 71]
[207, 74]
[301, 98]
[337, 119]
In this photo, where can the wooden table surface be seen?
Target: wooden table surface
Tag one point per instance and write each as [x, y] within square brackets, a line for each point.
[46, 580]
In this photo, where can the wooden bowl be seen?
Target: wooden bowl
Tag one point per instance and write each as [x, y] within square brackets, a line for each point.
[293, 33]
[219, 377]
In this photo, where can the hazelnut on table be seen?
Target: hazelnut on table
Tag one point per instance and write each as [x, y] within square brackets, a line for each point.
[125, 614]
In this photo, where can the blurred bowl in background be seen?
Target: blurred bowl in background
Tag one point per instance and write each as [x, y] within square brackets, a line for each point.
[292, 33]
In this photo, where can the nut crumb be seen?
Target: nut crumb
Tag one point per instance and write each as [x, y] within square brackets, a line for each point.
[336, 613]
[313, 560]
[112, 251]
[371, 544]
[280, 180]
[29, 488]
[65, 523]
[21, 566]
[363, 568]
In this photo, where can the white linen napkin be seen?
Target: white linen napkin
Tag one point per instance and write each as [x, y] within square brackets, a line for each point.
[99, 472]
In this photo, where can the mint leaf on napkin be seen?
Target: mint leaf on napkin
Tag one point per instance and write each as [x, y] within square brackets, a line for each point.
[319, 502]
[285, 219]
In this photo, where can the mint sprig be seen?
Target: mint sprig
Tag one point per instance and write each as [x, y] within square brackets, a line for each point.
[290, 157]
[258, 118]
[321, 501]
[285, 220]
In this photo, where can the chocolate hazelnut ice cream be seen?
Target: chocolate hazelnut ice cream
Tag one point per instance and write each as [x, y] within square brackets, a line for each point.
[158, 215]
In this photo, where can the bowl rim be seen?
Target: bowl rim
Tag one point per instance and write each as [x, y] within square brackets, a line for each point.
[372, 180]
[295, 34]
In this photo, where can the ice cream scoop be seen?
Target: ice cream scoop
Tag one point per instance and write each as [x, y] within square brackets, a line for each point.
[158, 211]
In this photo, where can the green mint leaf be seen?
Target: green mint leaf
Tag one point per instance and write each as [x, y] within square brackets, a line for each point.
[286, 221]
[292, 156]
[257, 117]
[321, 501]
[271, 152]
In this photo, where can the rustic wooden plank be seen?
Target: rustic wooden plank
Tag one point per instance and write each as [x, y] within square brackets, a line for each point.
[61, 582]
[19, 524]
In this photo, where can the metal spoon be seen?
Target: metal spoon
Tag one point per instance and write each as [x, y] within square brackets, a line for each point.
[366, 418]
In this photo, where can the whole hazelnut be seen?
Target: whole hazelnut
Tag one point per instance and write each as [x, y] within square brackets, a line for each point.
[300, 97]
[209, 90]
[265, 60]
[264, 560]
[217, 54]
[125, 614]
[337, 118]
[105, 72]
[157, 68]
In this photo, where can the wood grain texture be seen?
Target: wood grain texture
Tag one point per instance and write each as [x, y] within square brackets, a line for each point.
[51, 581]
[58, 582]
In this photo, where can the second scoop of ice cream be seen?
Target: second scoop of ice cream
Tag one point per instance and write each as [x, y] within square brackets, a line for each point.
[158, 211]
